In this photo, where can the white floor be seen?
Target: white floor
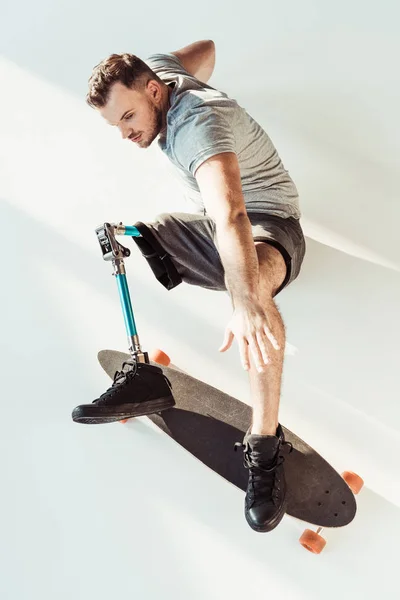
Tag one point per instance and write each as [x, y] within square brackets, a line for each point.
[121, 511]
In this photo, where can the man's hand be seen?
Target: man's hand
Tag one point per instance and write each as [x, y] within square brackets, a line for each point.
[250, 325]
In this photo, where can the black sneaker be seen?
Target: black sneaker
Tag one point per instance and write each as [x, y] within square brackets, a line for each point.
[138, 389]
[265, 502]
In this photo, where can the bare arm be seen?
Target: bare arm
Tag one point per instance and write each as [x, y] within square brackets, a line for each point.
[198, 59]
[220, 185]
[221, 189]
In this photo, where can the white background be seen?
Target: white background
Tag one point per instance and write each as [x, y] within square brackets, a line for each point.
[122, 512]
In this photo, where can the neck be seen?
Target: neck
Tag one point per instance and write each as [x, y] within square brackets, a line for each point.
[166, 105]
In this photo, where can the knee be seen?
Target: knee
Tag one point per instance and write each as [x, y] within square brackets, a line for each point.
[272, 267]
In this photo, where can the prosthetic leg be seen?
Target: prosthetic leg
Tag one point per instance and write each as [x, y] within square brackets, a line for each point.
[139, 388]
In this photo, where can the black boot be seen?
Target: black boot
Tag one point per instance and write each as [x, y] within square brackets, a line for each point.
[138, 389]
[265, 497]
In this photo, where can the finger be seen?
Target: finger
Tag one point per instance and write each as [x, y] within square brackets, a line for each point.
[271, 338]
[244, 353]
[263, 346]
[256, 353]
[227, 340]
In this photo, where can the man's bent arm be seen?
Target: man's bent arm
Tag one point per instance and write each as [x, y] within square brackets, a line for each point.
[221, 189]
[198, 59]
[239, 259]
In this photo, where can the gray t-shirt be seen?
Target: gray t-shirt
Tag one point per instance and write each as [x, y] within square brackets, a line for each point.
[202, 122]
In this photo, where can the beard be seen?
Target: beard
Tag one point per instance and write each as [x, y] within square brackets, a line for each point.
[156, 125]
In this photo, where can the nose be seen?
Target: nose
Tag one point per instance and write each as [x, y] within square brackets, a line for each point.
[125, 133]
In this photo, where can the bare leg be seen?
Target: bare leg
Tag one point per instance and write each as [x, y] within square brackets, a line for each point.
[265, 387]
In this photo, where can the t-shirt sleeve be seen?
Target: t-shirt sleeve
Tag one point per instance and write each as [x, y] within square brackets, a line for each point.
[165, 64]
[202, 133]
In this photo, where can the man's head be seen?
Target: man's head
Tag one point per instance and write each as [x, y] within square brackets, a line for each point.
[129, 95]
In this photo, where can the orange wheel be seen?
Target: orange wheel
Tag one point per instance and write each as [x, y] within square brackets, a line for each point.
[313, 542]
[354, 481]
[158, 356]
[123, 421]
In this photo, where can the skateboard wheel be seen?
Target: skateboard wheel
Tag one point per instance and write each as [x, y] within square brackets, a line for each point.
[312, 541]
[354, 481]
[123, 421]
[158, 356]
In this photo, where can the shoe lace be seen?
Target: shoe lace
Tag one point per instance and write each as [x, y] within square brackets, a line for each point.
[120, 378]
[262, 477]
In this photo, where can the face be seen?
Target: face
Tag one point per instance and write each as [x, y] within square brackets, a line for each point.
[136, 113]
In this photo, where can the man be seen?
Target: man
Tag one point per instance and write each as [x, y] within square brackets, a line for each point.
[244, 237]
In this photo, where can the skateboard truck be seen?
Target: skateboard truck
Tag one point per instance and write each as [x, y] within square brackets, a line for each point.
[115, 252]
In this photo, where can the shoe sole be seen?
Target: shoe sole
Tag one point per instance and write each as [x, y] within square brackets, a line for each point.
[95, 415]
[272, 524]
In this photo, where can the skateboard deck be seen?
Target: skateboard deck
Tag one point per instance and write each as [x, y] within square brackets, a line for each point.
[208, 422]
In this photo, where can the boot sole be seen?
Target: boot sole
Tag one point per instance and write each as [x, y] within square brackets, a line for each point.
[93, 415]
[271, 524]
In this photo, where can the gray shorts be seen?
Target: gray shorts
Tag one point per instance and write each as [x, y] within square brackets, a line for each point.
[188, 241]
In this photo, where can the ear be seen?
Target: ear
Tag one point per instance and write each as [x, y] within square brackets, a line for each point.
[154, 89]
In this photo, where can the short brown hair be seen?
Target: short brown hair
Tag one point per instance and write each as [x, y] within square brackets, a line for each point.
[126, 68]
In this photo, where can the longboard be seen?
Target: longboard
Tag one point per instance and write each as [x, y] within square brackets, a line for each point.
[208, 422]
